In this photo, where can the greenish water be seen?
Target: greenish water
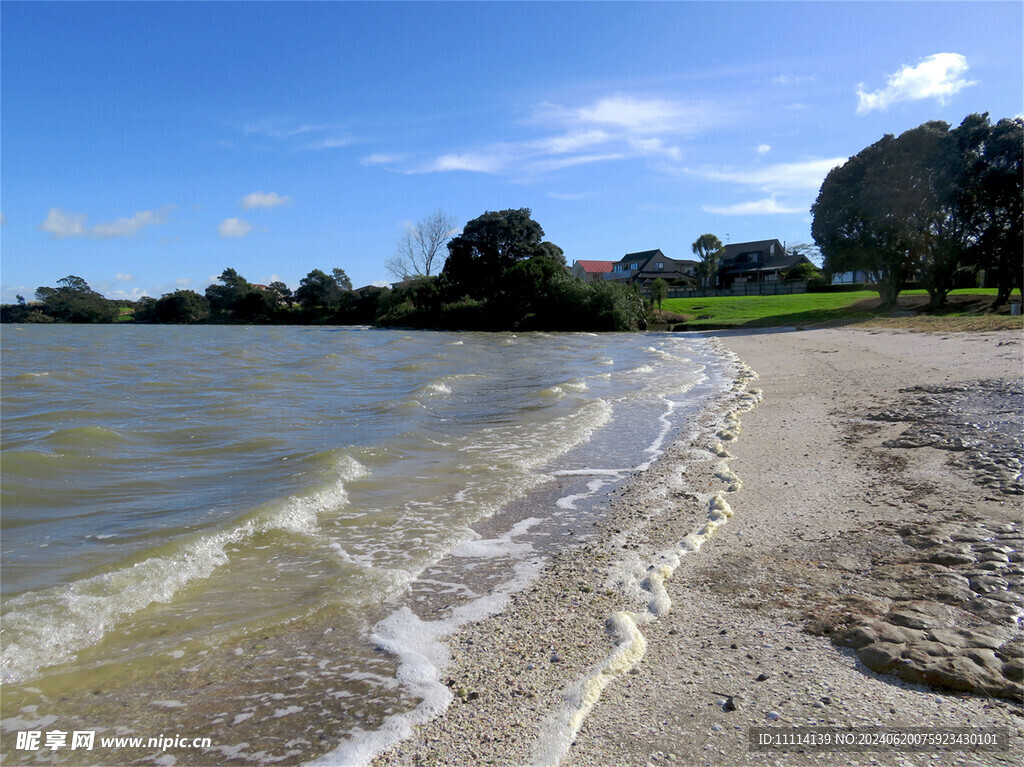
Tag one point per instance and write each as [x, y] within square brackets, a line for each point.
[243, 505]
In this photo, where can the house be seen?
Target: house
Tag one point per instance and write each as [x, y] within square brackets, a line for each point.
[849, 278]
[760, 261]
[591, 271]
[646, 266]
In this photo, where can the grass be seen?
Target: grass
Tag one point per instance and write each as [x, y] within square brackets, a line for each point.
[968, 309]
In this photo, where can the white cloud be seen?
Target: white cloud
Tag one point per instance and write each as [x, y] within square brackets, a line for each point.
[792, 79]
[938, 76]
[381, 158]
[122, 277]
[642, 115]
[125, 227]
[472, 161]
[234, 227]
[755, 208]
[763, 149]
[615, 127]
[331, 142]
[263, 200]
[61, 224]
[787, 177]
[182, 282]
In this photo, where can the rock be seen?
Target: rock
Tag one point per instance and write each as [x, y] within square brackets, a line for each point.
[949, 637]
[951, 558]
[993, 556]
[984, 584]
[991, 639]
[1014, 670]
[762, 677]
[985, 658]
[920, 615]
[994, 611]
[882, 657]
[773, 716]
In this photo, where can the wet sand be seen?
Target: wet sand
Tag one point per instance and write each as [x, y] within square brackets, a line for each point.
[643, 646]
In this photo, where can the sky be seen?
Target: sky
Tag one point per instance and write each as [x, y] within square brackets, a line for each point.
[147, 146]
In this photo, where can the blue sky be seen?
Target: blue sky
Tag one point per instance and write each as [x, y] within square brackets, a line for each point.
[147, 146]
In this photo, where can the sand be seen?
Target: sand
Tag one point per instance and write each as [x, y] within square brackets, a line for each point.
[639, 648]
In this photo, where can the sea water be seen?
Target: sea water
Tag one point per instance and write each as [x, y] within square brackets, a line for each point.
[261, 536]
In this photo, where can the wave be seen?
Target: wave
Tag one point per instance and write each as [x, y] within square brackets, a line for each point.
[52, 626]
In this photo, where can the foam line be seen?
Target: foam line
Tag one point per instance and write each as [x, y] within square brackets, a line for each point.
[560, 729]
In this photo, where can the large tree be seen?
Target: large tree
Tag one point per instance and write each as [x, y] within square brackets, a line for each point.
[74, 301]
[319, 291]
[995, 199]
[708, 248]
[224, 298]
[488, 246]
[421, 249]
[925, 205]
[181, 307]
[853, 227]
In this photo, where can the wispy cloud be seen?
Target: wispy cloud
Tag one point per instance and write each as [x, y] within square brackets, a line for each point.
[763, 149]
[787, 80]
[62, 225]
[234, 227]
[795, 182]
[296, 136]
[615, 127]
[383, 158]
[780, 178]
[755, 208]
[938, 77]
[263, 200]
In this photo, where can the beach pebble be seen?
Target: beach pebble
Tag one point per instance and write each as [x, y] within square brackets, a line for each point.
[773, 716]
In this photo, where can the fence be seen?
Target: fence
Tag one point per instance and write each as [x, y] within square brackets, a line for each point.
[769, 288]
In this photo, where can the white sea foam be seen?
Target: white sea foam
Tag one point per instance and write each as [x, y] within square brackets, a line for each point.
[559, 730]
[422, 655]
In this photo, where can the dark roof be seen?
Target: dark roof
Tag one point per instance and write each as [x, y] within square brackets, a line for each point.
[642, 255]
[765, 261]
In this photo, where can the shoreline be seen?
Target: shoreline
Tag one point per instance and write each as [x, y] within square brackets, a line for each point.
[821, 504]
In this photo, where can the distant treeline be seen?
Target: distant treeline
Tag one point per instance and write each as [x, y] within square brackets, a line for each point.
[499, 275]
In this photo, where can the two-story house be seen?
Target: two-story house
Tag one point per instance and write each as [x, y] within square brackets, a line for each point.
[645, 267]
[760, 261]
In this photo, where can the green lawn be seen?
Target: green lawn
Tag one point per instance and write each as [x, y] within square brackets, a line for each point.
[811, 308]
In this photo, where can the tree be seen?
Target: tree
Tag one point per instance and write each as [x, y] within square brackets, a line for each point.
[914, 206]
[341, 279]
[853, 230]
[994, 198]
[659, 291]
[422, 247]
[281, 292]
[224, 298]
[708, 248]
[488, 246]
[182, 307]
[318, 292]
[74, 301]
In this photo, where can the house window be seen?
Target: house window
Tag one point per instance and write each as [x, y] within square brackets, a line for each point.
[634, 266]
[618, 267]
[659, 266]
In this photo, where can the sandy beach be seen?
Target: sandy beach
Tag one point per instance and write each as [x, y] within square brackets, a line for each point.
[855, 526]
